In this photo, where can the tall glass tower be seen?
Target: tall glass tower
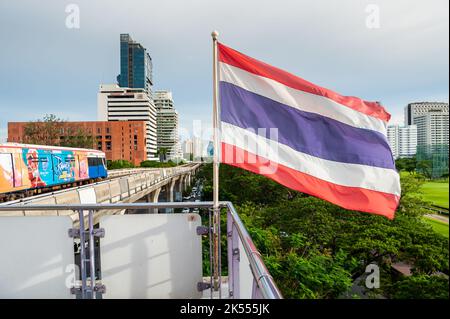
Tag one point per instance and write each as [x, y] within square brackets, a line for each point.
[135, 65]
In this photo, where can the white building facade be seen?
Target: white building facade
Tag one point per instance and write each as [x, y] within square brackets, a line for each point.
[415, 109]
[432, 128]
[116, 103]
[167, 125]
[188, 150]
[402, 140]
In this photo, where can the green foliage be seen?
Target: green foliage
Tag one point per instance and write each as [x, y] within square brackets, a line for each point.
[50, 130]
[156, 164]
[420, 287]
[119, 164]
[315, 249]
[406, 164]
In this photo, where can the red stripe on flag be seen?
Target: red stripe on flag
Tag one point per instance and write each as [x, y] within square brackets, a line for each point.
[242, 61]
[353, 198]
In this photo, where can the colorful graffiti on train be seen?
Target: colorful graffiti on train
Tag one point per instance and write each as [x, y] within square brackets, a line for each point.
[31, 167]
[47, 167]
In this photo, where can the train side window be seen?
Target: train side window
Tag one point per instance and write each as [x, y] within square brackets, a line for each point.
[91, 162]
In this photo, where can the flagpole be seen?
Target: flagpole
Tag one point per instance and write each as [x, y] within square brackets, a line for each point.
[216, 209]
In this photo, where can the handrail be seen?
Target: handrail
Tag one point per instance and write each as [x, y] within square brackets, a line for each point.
[269, 289]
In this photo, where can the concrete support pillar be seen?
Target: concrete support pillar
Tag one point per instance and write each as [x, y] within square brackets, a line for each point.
[184, 182]
[153, 197]
[180, 186]
[172, 184]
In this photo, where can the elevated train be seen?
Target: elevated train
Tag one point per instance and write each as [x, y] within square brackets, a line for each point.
[30, 169]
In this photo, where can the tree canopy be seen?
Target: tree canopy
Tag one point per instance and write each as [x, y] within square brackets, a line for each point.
[315, 249]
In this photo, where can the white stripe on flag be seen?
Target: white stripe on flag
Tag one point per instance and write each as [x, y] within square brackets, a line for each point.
[350, 175]
[298, 99]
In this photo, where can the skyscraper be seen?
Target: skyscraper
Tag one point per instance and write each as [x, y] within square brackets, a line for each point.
[135, 65]
[167, 125]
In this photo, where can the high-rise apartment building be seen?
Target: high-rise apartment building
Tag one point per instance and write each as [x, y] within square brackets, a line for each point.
[433, 142]
[135, 65]
[402, 140]
[115, 103]
[432, 128]
[420, 108]
[167, 125]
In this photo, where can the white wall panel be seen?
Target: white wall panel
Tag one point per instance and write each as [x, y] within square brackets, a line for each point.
[36, 252]
[151, 256]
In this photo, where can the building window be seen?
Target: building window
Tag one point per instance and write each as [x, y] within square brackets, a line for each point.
[108, 146]
[99, 145]
[99, 130]
[107, 130]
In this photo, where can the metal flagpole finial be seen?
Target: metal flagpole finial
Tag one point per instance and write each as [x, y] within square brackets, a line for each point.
[215, 34]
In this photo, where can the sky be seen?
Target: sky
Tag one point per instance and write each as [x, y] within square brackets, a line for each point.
[395, 52]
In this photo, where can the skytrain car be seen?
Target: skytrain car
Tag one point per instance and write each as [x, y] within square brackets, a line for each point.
[27, 169]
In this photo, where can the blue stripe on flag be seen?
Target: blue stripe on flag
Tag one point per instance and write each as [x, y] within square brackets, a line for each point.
[305, 132]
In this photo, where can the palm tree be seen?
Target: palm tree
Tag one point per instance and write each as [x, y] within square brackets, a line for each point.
[162, 152]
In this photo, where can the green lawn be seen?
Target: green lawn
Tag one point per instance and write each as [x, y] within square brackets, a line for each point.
[436, 192]
[438, 226]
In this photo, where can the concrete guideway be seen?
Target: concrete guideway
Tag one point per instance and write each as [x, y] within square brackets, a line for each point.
[124, 186]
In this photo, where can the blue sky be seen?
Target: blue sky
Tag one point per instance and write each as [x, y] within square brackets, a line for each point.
[48, 68]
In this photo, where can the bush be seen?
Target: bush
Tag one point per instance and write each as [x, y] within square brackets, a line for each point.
[119, 164]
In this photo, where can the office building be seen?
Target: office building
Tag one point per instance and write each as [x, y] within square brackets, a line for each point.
[135, 65]
[167, 125]
[115, 103]
[119, 140]
[402, 140]
[420, 108]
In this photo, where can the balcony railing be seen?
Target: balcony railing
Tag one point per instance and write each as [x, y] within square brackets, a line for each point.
[248, 276]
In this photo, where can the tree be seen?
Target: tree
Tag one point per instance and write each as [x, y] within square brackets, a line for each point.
[425, 167]
[420, 287]
[79, 139]
[43, 132]
[51, 131]
[406, 164]
[162, 152]
[315, 249]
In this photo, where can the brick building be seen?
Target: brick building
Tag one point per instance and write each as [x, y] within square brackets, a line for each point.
[118, 139]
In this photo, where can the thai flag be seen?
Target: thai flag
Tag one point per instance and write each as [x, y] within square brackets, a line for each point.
[304, 136]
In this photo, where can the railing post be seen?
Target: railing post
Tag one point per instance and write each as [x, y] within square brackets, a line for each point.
[233, 257]
[92, 253]
[256, 292]
[82, 254]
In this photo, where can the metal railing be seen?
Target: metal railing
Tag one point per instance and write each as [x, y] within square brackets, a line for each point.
[263, 284]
